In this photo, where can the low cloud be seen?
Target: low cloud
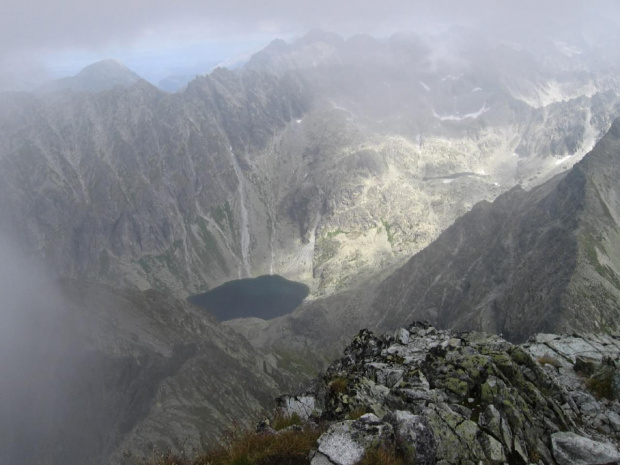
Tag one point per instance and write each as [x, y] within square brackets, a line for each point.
[31, 29]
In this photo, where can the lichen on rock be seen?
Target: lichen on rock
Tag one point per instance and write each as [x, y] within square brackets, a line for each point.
[444, 397]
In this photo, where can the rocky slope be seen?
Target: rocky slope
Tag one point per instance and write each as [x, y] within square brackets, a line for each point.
[531, 261]
[459, 398]
[543, 260]
[323, 160]
[139, 188]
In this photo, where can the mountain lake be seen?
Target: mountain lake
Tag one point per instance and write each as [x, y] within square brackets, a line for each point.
[263, 297]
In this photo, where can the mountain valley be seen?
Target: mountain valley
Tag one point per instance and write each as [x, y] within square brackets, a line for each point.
[455, 177]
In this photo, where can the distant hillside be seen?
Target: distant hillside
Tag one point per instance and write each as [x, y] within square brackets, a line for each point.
[99, 76]
[547, 260]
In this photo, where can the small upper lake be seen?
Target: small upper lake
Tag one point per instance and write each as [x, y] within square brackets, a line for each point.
[264, 297]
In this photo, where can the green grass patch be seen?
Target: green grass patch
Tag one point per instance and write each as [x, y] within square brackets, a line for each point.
[331, 234]
[389, 232]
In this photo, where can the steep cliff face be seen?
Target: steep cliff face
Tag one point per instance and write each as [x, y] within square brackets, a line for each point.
[544, 260]
[141, 188]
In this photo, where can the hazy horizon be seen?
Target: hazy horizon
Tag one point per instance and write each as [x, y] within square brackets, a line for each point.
[156, 39]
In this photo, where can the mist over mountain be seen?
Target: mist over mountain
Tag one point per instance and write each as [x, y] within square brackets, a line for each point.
[323, 160]
[99, 76]
[539, 261]
[439, 176]
[93, 374]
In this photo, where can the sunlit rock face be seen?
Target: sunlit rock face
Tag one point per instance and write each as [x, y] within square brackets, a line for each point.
[544, 260]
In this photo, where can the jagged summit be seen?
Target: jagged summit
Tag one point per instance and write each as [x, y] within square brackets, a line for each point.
[99, 76]
[444, 397]
[320, 35]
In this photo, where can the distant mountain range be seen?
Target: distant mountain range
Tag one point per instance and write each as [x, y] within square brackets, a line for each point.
[324, 160]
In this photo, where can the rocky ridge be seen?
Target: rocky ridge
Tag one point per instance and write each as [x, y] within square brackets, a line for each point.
[449, 397]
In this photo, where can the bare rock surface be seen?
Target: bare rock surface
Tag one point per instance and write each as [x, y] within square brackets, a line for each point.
[446, 397]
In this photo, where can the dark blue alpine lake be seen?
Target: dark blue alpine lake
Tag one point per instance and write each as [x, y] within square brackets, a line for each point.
[264, 297]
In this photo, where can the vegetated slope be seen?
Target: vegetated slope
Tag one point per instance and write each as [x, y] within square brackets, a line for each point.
[540, 261]
[97, 375]
[323, 162]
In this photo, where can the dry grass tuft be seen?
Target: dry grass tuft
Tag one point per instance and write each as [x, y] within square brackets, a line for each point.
[382, 456]
[249, 448]
[549, 360]
[338, 386]
[281, 421]
[600, 386]
[356, 413]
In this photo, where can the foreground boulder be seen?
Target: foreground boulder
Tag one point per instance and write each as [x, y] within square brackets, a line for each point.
[442, 397]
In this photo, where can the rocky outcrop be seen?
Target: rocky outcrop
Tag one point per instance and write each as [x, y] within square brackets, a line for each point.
[446, 397]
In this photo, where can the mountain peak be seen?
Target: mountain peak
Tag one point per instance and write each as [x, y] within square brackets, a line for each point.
[96, 77]
[109, 64]
[320, 35]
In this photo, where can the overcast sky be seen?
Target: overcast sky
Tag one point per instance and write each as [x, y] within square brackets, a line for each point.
[55, 36]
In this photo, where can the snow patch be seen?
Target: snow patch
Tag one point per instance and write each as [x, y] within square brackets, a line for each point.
[426, 88]
[545, 94]
[450, 77]
[566, 49]
[458, 117]
[245, 223]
